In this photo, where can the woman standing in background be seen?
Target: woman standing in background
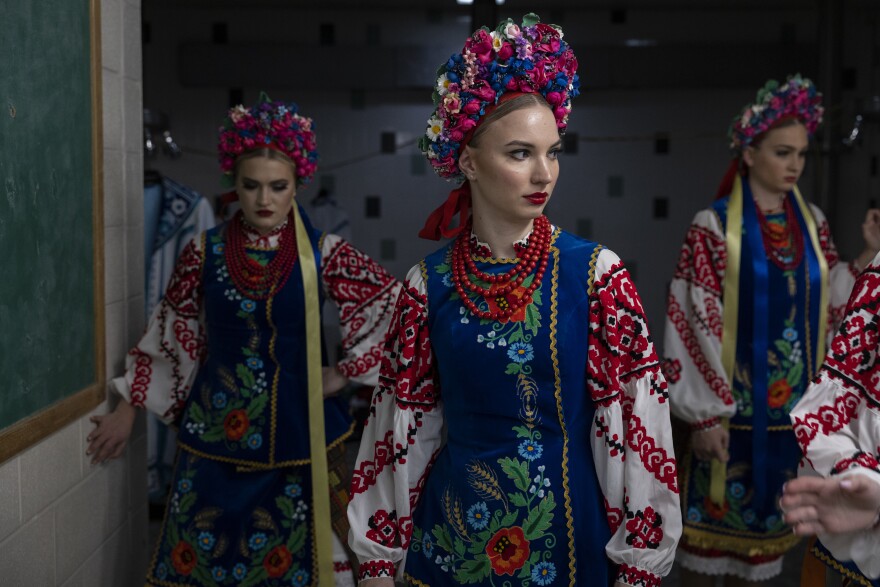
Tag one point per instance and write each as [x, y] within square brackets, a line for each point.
[757, 285]
[232, 354]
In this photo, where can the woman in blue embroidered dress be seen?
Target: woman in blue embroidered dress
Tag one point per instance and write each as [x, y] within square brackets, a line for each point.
[758, 317]
[227, 357]
[529, 346]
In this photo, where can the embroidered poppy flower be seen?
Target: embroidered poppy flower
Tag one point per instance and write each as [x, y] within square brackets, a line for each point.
[502, 303]
[508, 550]
[778, 393]
[184, 558]
[236, 424]
[715, 512]
[277, 561]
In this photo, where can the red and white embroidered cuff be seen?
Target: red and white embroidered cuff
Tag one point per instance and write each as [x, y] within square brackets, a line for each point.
[376, 569]
[705, 424]
[637, 577]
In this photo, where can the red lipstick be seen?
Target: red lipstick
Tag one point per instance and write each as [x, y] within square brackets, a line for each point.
[538, 198]
[264, 213]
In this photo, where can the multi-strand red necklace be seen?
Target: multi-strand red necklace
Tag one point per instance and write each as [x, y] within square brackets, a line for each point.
[502, 286]
[256, 280]
[784, 245]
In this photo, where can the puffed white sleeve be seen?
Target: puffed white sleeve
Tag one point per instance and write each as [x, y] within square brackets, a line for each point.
[631, 431]
[841, 276]
[837, 422]
[698, 386]
[400, 441]
[161, 368]
[365, 294]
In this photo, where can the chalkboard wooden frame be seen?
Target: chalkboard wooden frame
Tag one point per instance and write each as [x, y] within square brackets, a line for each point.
[32, 429]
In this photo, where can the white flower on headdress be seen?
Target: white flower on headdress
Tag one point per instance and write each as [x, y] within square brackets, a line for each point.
[435, 127]
[497, 41]
[238, 113]
[512, 31]
[747, 115]
[758, 109]
[443, 84]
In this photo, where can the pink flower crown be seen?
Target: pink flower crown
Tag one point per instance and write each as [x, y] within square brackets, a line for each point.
[797, 98]
[532, 58]
[275, 125]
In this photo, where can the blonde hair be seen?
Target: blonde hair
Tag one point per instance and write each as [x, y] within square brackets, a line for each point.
[505, 108]
[263, 152]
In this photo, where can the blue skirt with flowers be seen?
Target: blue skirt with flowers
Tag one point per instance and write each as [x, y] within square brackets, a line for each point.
[226, 526]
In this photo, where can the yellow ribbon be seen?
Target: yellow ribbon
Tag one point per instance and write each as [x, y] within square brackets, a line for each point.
[823, 271]
[730, 319]
[317, 439]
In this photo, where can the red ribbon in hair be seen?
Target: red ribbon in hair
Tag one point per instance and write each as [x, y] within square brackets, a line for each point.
[729, 175]
[459, 200]
[438, 223]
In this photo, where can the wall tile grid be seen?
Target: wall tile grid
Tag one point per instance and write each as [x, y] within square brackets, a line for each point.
[62, 520]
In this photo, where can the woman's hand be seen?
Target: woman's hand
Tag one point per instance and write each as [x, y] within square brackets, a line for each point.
[814, 505]
[108, 439]
[333, 381]
[711, 444]
[379, 582]
[871, 234]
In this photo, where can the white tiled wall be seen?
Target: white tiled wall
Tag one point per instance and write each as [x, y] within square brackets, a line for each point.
[62, 520]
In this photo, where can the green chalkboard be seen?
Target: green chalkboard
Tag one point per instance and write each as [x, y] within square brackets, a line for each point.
[51, 282]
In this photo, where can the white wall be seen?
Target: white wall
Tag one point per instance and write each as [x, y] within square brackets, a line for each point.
[62, 520]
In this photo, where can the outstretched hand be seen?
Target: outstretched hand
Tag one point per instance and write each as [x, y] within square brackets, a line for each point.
[107, 441]
[711, 444]
[817, 505]
[333, 381]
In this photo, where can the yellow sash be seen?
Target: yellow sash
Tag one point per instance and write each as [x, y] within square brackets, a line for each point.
[317, 439]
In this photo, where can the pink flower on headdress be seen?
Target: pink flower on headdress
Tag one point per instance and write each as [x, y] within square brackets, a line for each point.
[481, 45]
[452, 103]
[238, 113]
[554, 98]
[482, 90]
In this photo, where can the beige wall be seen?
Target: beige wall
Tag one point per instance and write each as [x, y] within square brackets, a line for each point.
[62, 520]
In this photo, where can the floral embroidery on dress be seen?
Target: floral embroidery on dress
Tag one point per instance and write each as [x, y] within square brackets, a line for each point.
[501, 533]
[270, 546]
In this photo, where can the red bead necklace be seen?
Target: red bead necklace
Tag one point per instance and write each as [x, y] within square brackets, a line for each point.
[785, 248]
[501, 285]
[256, 280]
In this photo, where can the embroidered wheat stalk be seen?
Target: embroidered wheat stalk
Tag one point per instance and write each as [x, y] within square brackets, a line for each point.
[263, 520]
[527, 390]
[453, 513]
[204, 520]
[484, 481]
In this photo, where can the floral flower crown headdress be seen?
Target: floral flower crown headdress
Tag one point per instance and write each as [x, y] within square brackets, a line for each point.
[796, 98]
[531, 58]
[267, 124]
